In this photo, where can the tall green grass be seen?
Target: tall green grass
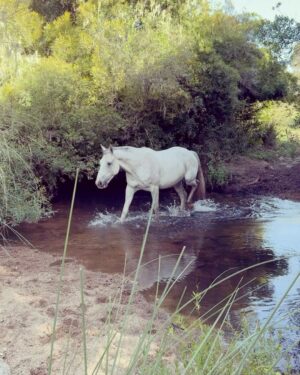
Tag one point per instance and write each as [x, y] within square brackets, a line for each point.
[180, 346]
[21, 196]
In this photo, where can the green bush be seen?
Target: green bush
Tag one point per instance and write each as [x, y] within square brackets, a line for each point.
[145, 74]
[279, 121]
[22, 197]
[217, 174]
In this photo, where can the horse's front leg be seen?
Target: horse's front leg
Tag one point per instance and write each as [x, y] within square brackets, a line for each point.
[128, 199]
[155, 199]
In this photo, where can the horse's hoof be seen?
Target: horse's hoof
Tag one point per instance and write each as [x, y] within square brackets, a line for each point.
[156, 217]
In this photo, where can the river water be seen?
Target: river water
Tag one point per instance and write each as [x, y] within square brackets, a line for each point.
[220, 236]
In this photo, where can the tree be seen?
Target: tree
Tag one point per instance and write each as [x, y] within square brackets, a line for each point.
[20, 30]
[280, 36]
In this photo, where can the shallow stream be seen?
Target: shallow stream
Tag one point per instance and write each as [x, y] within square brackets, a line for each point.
[220, 236]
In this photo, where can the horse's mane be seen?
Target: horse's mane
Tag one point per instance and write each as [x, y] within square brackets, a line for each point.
[127, 151]
[129, 148]
[124, 148]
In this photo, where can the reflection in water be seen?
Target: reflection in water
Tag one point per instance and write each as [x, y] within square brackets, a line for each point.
[220, 239]
[226, 249]
[162, 250]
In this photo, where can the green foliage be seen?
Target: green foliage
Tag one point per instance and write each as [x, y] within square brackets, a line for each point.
[20, 31]
[295, 59]
[268, 88]
[19, 27]
[278, 130]
[280, 36]
[228, 354]
[281, 115]
[21, 196]
[55, 123]
[141, 73]
[217, 174]
[280, 121]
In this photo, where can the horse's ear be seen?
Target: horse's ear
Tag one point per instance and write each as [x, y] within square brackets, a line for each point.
[111, 149]
[103, 149]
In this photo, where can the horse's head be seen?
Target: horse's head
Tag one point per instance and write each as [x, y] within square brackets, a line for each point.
[109, 167]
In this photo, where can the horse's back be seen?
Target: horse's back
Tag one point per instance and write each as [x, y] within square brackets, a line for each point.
[174, 152]
[178, 155]
[175, 164]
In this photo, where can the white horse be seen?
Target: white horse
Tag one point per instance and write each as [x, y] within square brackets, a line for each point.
[151, 170]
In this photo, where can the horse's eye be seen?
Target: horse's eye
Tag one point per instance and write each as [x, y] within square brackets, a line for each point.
[109, 163]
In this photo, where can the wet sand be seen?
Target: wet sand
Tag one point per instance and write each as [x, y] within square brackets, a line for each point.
[29, 284]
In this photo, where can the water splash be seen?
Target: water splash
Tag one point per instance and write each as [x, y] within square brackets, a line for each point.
[103, 219]
[174, 210]
[257, 208]
[207, 205]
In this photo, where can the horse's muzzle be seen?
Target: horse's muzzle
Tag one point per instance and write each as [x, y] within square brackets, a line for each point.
[101, 185]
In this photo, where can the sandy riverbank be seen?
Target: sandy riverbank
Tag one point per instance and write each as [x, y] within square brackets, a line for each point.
[29, 282]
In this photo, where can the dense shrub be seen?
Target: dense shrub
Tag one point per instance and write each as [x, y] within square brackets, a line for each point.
[21, 196]
[141, 73]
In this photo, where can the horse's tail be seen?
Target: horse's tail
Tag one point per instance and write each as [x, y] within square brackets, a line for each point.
[201, 189]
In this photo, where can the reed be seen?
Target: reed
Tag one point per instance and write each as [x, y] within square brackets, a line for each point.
[61, 275]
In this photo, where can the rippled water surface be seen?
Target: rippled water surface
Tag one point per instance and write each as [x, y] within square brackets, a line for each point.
[220, 236]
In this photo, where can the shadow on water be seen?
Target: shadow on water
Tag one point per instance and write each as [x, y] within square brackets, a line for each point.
[221, 237]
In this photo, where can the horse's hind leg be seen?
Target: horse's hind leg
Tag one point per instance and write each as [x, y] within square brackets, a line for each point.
[193, 185]
[182, 194]
[191, 180]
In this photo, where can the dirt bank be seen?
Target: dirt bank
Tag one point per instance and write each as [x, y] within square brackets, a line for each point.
[251, 176]
[29, 282]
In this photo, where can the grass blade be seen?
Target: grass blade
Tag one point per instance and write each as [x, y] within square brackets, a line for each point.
[83, 322]
[61, 275]
[251, 346]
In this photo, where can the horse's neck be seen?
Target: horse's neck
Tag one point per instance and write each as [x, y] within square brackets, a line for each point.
[127, 158]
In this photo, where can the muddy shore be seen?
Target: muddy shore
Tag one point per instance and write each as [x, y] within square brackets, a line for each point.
[279, 177]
